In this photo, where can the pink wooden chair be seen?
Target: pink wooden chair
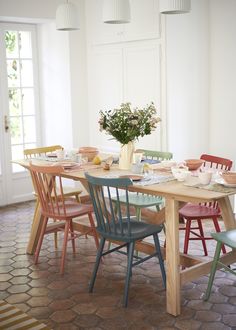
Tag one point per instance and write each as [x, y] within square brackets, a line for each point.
[48, 184]
[199, 212]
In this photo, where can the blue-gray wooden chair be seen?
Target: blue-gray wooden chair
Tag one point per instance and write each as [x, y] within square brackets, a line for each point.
[119, 226]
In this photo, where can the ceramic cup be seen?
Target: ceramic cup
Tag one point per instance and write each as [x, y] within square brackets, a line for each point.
[137, 168]
[205, 177]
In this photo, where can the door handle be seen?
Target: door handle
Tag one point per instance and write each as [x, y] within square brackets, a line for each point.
[6, 124]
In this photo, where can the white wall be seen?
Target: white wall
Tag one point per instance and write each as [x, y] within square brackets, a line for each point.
[223, 77]
[78, 80]
[54, 74]
[187, 38]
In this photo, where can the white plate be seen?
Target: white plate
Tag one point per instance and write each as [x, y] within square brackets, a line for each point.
[222, 181]
[66, 165]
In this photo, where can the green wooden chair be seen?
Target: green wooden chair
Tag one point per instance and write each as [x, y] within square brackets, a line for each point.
[119, 226]
[138, 200]
[227, 238]
[155, 155]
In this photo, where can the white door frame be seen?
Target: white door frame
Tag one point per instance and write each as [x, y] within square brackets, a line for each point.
[14, 187]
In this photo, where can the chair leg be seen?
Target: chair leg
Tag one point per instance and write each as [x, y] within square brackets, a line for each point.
[72, 234]
[64, 248]
[95, 234]
[129, 271]
[187, 236]
[161, 262]
[55, 240]
[199, 221]
[213, 270]
[98, 259]
[217, 228]
[138, 213]
[40, 241]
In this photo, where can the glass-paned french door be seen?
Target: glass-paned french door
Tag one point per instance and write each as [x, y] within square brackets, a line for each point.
[19, 107]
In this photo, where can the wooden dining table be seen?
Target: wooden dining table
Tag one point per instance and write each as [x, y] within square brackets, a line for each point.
[180, 268]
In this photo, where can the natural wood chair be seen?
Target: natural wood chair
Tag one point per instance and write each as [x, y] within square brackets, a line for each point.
[192, 213]
[43, 151]
[54, 204]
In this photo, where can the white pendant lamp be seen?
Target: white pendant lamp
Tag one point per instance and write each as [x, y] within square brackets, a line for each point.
[116, 11]
[175, 6]
[67, 17]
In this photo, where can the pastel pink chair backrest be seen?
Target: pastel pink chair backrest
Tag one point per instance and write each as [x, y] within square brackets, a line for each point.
[48, 185]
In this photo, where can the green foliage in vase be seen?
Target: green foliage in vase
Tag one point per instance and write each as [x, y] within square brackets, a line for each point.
[126, 125]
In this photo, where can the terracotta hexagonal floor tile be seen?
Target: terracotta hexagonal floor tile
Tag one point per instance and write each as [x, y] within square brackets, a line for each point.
[87, 320]
[5, 277]
[40, 312]
[62, 304]
[88, 308]
[18, 288]
[230, 320]
[20, 280]
[63, 317]
[58, 285]
[4, 285]
[37, 292]
[21, 272]
[17, 298]
[208, 316]
[39, 301]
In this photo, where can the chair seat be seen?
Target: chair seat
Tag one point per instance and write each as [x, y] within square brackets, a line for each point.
[73, 209]
[139, 231]
[140, 200]
[226, 237]
[193, 211]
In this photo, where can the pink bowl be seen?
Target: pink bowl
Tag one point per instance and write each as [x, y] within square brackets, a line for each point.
[194, 164]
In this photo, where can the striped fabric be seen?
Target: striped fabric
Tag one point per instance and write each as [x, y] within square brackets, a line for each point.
[12, 318]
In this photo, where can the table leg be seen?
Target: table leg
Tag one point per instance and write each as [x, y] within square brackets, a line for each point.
[172, 257]
[227, 213]
[35, 229]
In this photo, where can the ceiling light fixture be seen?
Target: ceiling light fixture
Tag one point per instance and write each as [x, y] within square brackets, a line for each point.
[175, 6]
[67, 17]
[116, 11]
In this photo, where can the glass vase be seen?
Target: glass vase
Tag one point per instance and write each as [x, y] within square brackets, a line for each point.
[126, 156]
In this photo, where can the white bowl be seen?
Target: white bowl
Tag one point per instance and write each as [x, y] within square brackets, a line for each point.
[181, 174]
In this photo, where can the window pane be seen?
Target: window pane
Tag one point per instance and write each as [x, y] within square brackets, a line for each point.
[26, 73]
[13, 73]
[28, 101]
[17, 153]
[29, 129]
[11, 41]
[16, 130]
[25, 44]
[14, 102]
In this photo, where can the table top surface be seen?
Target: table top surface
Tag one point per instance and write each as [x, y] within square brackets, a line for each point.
[171, 189]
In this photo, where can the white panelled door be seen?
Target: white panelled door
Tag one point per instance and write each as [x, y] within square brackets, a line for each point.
[19, 103]
[126, 72]
[142, 84]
